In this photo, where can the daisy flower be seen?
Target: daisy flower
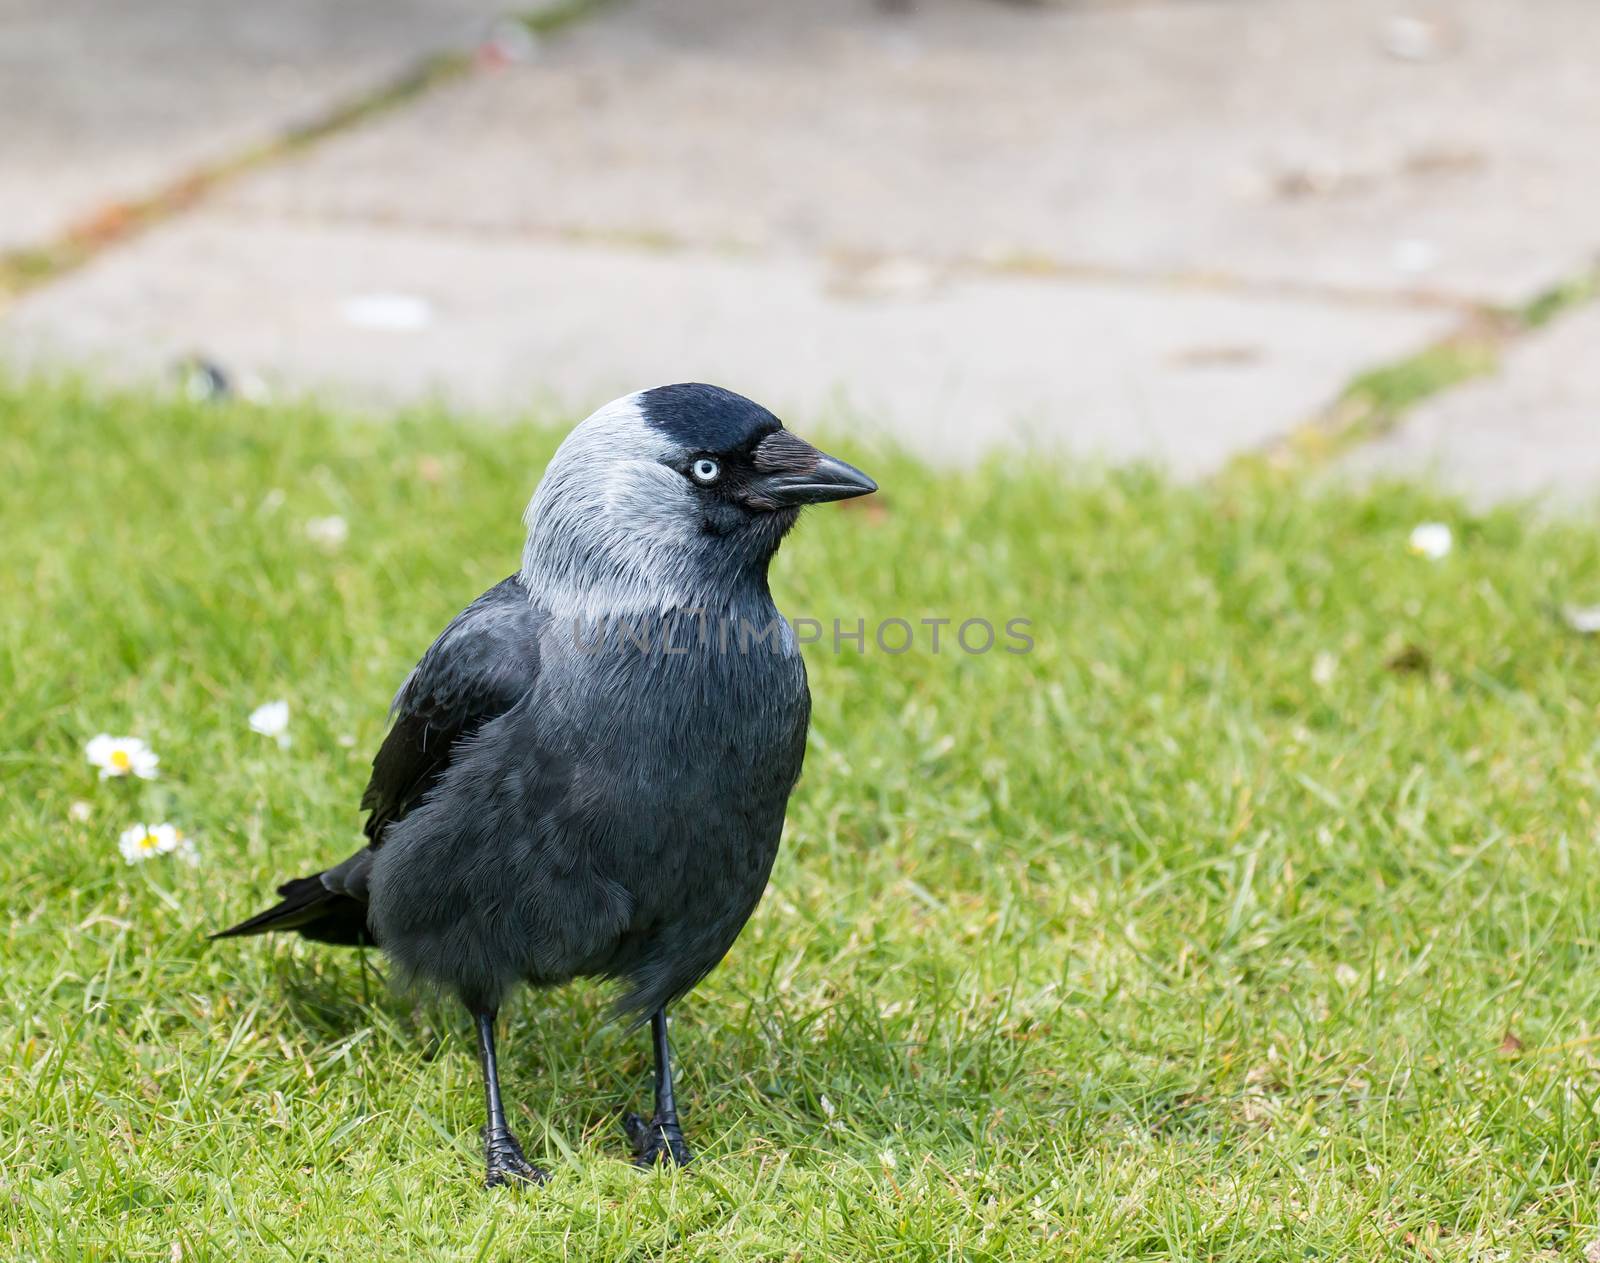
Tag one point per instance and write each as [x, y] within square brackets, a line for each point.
[144, 841]
[1585, 619]
[1431, 540]
[329, 532]
[271, 719]
[122, 756]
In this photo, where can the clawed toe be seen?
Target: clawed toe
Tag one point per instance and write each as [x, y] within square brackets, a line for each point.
[505, 1161]
[658, 1140]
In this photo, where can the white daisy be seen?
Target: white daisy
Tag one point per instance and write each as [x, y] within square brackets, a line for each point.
[271, 719]
[142, 841]
[122, 756]
[1583, 618]
[1431, 540]
[329, 532]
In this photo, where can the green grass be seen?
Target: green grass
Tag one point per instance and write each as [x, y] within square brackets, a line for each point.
[1251, 917]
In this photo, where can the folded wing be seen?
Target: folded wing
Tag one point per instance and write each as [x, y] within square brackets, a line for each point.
[481, 666]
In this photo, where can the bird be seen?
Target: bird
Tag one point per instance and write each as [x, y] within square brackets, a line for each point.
[586, 774]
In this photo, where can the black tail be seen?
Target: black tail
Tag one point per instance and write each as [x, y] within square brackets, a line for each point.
[328, 916]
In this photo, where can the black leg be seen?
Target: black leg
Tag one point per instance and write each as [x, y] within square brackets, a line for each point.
[661, 1139]
[500, 1148]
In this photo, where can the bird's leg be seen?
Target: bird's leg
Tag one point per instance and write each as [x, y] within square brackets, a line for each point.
[501, 1151]
[661, 1139]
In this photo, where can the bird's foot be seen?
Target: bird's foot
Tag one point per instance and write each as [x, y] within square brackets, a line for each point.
[659, 1140]
[506, 1164]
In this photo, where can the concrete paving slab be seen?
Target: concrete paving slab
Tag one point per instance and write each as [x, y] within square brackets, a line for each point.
[950, 364]
[1365, 144]
[109, 101]
[1531, 432]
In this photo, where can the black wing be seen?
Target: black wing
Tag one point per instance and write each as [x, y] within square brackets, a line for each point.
[483, 663]
[481, 666]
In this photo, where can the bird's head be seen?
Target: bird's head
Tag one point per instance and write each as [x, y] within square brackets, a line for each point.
[669, 492]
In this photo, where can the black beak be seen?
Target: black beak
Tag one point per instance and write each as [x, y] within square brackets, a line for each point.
[815, 480]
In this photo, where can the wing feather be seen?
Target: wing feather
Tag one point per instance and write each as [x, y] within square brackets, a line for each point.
[481, 666]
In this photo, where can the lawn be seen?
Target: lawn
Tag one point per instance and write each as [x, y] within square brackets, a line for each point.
[1251, 916]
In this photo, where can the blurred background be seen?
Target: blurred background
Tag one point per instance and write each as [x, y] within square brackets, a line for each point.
[1170, 230]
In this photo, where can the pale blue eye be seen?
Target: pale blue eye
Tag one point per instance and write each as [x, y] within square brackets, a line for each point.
[705, 470]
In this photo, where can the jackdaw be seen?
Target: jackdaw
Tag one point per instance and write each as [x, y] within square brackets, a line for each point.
[587, 772]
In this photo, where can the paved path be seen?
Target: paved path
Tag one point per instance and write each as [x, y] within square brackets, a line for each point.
[1275, 143]
[105, 101]
[1531, 432]
[1143, 230]
[1122, 372]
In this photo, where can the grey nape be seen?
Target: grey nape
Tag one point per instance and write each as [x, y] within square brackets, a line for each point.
[587, 772]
